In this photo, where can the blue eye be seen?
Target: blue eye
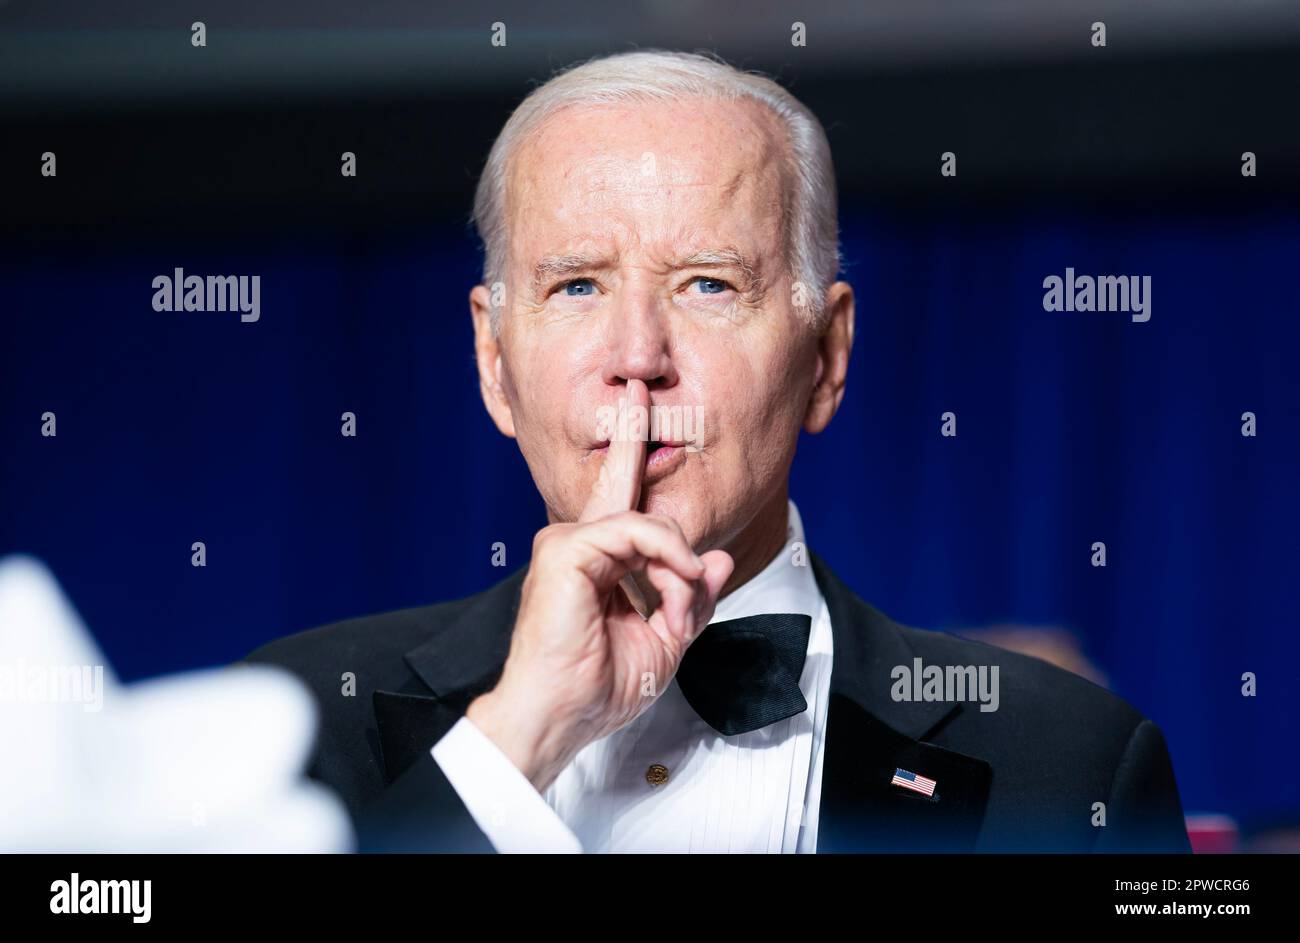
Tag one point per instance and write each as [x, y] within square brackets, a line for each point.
[711, 286]
[579, 287]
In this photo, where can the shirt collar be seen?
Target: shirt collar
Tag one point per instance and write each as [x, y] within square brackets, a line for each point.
[786, 584]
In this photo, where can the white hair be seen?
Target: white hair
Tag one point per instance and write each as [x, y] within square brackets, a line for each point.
[812, 234]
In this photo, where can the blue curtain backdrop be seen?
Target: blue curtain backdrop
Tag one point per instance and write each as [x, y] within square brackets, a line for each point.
[1072, 428]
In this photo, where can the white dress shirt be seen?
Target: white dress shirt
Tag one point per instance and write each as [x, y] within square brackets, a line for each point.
[753, 792]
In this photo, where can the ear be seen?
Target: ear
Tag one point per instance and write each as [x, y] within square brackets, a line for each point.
[832, 366]
[487, 354]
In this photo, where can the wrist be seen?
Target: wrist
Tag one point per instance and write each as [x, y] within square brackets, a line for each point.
[533, 737]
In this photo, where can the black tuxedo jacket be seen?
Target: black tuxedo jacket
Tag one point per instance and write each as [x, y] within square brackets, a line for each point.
[1026, 777]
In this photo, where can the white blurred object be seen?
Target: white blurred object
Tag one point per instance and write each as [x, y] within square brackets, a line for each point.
[208, 761]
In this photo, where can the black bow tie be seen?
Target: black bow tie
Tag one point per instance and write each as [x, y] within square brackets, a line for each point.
[743, 674]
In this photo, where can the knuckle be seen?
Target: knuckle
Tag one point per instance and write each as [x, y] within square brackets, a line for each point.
[675, 527]
[546, 538]
[626, 518]
[667, 523]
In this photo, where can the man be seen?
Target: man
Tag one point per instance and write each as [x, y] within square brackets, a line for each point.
[674, 670]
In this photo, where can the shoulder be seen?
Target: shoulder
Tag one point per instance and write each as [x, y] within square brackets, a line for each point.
[372, 640]
[370, 637]
[1034, 699]
[1021, 675]
[1060, 748]
[1047, 732]
[1027, 684]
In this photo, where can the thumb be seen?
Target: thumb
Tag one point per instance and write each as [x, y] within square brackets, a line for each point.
[718, 567]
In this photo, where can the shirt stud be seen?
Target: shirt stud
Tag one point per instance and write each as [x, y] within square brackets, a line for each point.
[657, 774]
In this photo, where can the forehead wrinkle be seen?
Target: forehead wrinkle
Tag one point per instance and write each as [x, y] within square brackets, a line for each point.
[732, 186]
[758, 149]
[755, 173]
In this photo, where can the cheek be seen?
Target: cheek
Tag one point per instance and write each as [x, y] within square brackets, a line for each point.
[538, 368]
[544, 380]
[759, 404]
[741, 385]
[531, 397]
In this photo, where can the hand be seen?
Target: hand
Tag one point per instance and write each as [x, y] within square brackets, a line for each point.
[583, 660]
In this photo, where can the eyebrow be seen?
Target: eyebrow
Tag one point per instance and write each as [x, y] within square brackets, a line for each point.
[729, 257]
[553, 267]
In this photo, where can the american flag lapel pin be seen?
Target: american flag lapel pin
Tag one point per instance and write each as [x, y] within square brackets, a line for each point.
[910, 780]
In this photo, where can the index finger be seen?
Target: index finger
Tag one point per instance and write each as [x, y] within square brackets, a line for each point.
[618, 486]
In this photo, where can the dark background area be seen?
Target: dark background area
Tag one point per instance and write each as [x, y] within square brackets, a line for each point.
[1073, 427]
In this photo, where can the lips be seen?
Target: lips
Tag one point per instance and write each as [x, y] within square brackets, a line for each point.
[661, 458]
[651, 446]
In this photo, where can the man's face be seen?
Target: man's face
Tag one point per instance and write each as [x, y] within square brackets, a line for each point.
[649, 242]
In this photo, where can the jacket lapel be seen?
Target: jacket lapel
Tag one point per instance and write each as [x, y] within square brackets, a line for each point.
[869, 736]
[456, 664]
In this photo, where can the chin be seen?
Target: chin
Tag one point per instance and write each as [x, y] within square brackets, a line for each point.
[694, 513]
[670, 502]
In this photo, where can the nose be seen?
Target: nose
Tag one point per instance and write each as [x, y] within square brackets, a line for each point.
[640, 344]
